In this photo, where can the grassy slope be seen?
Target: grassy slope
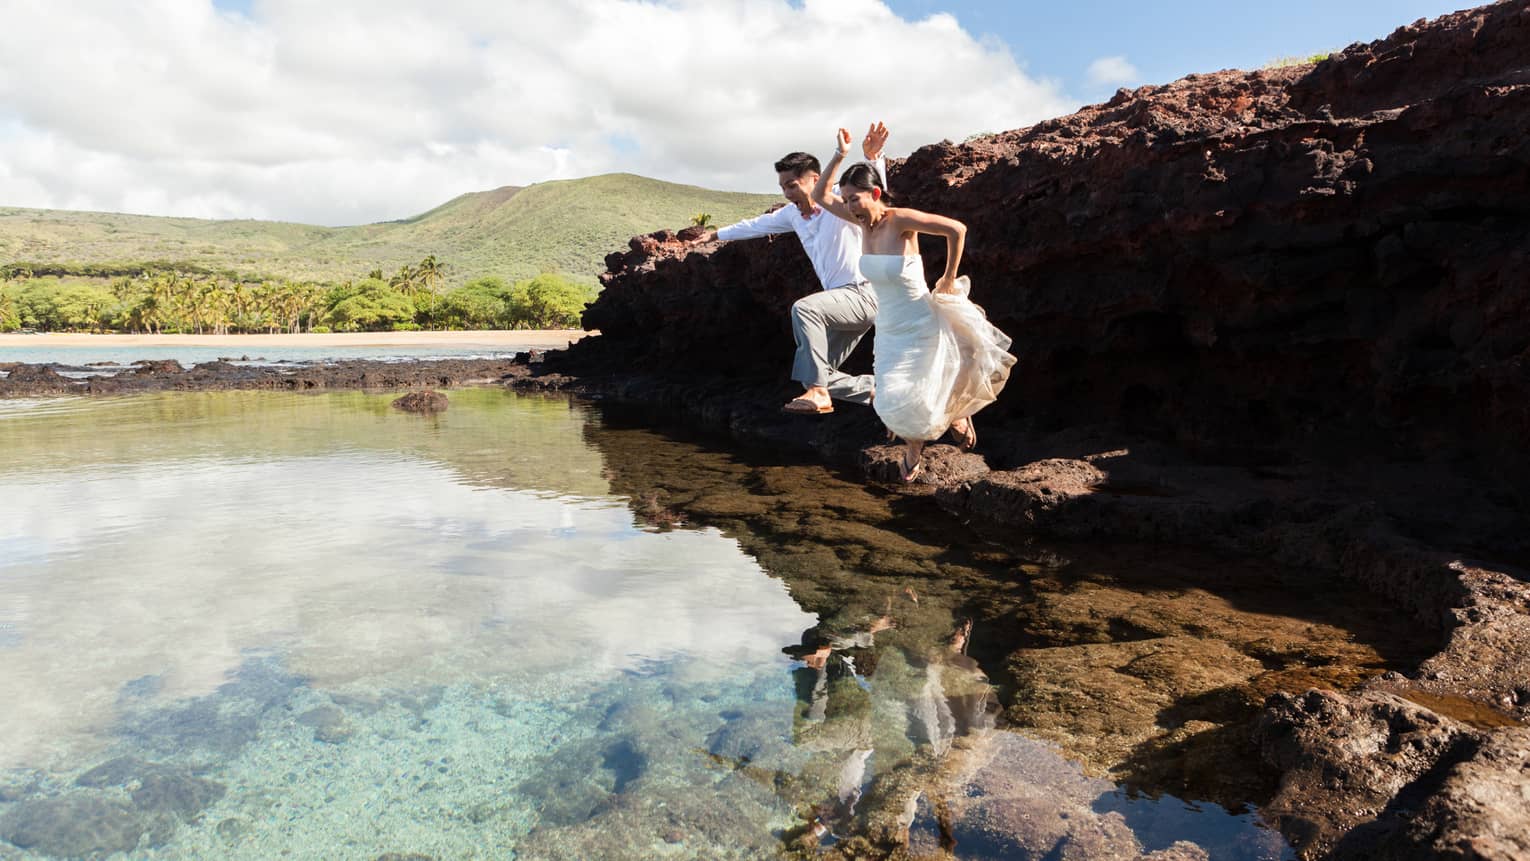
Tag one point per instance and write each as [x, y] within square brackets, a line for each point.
[567, 226]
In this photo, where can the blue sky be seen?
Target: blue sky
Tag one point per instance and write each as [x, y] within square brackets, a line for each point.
[1168, 40]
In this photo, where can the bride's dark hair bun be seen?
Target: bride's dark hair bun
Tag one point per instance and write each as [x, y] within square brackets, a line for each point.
[863, 177]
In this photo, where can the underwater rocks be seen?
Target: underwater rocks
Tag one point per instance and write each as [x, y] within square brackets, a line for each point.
[167, 375]
[426, 401]
[117, 805]
[1370, 526]
[82, 825]
[330, 725]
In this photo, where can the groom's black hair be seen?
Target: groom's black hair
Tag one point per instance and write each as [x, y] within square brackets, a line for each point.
[798, 163]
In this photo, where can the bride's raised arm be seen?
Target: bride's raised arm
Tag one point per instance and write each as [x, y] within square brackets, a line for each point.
[955, 233]
[822, 193]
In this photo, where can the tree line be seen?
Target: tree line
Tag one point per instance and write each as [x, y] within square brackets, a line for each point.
[170, 298]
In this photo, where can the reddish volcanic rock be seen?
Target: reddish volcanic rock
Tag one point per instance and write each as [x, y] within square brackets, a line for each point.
[1245, 263]
[1300, 298]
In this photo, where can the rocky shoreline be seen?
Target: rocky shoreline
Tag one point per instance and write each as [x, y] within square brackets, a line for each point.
[1282, 314]
[159, 375]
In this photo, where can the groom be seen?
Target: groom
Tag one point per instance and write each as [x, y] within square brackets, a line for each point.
[826, 325]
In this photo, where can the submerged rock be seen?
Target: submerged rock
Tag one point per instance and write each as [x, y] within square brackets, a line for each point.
[422, 402]
[177, 793]
[330, 725]
[82, 825]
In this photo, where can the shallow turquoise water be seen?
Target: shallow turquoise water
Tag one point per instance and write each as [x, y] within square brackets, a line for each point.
[257, 625]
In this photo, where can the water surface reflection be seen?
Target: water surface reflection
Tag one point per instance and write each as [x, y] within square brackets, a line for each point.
[248, 624]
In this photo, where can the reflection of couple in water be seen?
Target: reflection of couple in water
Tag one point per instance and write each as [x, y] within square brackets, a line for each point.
[886, 715]
[936, 358]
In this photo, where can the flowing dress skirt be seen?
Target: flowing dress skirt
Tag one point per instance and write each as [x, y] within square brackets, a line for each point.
[935, 358]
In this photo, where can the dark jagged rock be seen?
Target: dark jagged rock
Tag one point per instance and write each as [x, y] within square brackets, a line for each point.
[26, 379]
[422, 402]
[155, 367]
[1345, 759]
[1248, 264]
[163, 375]
[1282, 313]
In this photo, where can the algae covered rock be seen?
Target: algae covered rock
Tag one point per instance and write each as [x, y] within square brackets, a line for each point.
[426, 401]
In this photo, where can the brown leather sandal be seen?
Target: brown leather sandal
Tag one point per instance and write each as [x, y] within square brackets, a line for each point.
[910, 474]
[806, 407]
[965, 441]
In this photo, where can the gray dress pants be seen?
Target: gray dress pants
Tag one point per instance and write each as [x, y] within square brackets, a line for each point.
[827, 327]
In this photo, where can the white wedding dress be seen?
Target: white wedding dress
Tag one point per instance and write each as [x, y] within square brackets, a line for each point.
[936, 358]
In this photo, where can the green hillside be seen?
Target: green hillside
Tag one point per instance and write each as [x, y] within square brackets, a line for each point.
[515, 233]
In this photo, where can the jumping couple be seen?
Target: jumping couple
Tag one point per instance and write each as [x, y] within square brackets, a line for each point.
[936, 359]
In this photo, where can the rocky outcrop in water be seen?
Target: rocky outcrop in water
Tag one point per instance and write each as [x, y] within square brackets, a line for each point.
[1283, 313]
[426, 401]
[23, 380]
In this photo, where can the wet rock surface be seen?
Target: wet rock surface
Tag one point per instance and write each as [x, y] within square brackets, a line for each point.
[1141, 663]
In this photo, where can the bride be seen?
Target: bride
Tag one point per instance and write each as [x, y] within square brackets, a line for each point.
[936, 359]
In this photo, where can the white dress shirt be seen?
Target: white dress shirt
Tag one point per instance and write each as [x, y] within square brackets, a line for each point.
[833, 245]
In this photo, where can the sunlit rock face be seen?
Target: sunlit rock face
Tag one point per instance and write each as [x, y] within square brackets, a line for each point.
[1243, 262]
[1282, 313]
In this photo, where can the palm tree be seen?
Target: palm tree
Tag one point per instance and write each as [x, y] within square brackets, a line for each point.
[267, 301]
[313, 301]
[405, 281]
[430, 272]
[149, 313]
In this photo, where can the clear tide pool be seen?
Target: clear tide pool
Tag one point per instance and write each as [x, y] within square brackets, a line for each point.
[257, 625]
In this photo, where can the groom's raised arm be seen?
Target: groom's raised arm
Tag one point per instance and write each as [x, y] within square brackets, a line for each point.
[778, 221]
[871, 148]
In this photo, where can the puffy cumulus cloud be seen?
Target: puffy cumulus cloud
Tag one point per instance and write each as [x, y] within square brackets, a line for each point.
[1112, 72]
[360, 110]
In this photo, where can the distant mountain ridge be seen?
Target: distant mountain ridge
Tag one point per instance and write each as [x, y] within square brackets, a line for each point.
[514, 232]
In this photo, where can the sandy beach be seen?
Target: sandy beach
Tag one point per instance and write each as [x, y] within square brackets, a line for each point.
[546, 339]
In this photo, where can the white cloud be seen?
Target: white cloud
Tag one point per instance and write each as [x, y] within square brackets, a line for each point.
[1112, 72]
[361, 110]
